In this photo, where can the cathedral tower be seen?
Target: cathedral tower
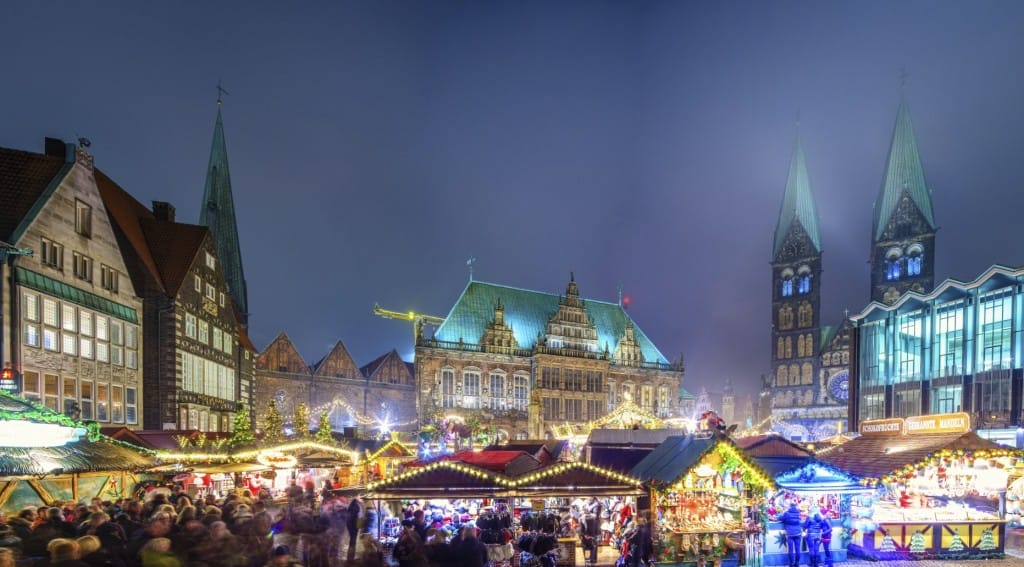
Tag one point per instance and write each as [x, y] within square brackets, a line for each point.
[796, 298]
[218, 214]
[903, 235]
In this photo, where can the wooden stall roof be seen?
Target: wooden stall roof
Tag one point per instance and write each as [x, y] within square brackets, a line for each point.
[546, 451]
[441, 479]
[509, 463]
[92, 453]
[876, 456]
[771, 445]
[576, 479]
[678, 454]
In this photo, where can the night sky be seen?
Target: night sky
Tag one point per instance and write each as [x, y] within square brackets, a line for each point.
[375, 146]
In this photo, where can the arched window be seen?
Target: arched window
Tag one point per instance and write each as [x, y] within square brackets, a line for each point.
[789, 347]
[800, 346]
[805, 374]
[785, 317]
[780, 349]
[520, 392]
[809, 345]
[448, 388]
[787, 287]
[794, 374]
[804, 284]
[781, 376]
[498, 396]
[914, 265]
[471, 388]
[805, 314]
[893, 264]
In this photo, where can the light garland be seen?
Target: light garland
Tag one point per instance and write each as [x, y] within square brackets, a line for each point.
[254, 453]
[565, 467]
[373, 456]
[456, 466]
[359, 418]
[936, 459]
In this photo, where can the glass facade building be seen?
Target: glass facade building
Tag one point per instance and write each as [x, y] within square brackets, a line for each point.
[956, 349]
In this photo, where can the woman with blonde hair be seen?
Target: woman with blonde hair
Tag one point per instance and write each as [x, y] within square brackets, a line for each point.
[65, 553]
[6, 557]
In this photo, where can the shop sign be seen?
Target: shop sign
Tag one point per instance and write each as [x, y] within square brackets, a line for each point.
[276, 459]
[10, 381]
[941, 423]
[882, 427]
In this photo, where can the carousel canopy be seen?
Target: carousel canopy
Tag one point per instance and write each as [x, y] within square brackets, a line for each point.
[58, 444]
[876, 456]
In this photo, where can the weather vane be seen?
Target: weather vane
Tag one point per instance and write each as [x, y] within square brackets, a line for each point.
[469, 264]
[220, 92]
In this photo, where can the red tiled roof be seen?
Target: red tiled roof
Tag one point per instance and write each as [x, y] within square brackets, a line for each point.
[174, 247]
[771, 446]
[127, 214]
[875, 457]
[23, 178]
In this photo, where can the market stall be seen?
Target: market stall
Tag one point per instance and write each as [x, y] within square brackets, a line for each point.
[939, 489]
[47, 458]
[706, 494]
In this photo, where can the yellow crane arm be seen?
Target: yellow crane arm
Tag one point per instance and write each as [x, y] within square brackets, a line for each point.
[407, 316]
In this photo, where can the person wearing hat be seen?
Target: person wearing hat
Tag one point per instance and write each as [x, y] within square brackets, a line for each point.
[281, 557]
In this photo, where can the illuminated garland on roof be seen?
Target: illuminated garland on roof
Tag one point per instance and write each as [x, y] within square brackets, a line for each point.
[253, 453]
[453, 465]
[936, 459]
[394, 442]
[359, 418]
[532, 477]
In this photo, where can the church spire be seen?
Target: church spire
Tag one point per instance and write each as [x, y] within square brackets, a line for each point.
[903, 174]
[797, 203]
[218, 214]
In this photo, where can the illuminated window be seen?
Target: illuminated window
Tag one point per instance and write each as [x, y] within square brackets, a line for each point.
[51, 254]
[552, 409]
[218, 339]
[31, 335]
[51, 316]
[116, 404]
[204, 332]
[574, 409]
[30, 307]
[102, 352]
[51, 392]
[471, 390]
[787, 287]
[109, 278]
[102, 402]
[210, 262]
[130, 407]
[69, 343]
[804, 286]
[102, 328]
[81, 266]
[87, 400]
[197, 283]
[85, 322]
[497, 391]
[85, 348]
[70, 394]
[448, 388]
[68, 318]
[190, 326]
[30, 386]
[50, 340]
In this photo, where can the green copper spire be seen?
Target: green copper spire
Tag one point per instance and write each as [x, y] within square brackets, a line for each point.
[797, 203]
[218, 213]
[903, 174]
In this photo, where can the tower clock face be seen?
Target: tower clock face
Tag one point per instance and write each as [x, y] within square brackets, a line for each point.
[839, 386]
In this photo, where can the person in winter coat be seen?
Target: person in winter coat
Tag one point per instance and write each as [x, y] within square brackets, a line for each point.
[469, 551]
[813, 528]
[409, 550]
[793, 527]
[826, 539]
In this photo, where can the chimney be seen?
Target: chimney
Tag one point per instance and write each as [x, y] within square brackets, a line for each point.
[55, 147]
[163, 211]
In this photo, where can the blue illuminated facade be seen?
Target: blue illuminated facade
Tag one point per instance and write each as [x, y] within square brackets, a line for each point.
[957, 348]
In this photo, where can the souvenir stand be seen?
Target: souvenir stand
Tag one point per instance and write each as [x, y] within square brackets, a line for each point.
[445, 481]
[706, 493]
[815, 487]
[939, 489]
[47, 458]
[384, 460]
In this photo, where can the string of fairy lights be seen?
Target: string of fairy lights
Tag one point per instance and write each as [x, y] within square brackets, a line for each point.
[360, 419]
[501, 479]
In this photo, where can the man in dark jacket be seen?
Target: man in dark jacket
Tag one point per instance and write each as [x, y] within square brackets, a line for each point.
[793, 527]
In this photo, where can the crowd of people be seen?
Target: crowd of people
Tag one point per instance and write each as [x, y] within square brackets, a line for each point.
[814, 532]
[170, 529]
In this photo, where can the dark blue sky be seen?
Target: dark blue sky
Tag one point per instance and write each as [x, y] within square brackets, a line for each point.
[375, 146]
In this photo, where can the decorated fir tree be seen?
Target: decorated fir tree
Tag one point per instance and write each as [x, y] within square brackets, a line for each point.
[888, 545]
[917, 542]
[988, 540]
[300, 421]
[957, 545]
[273, 432]
[323, 434]
[241, 429]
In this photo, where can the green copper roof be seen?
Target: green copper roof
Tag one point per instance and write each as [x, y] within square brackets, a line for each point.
[685, 394]
[48, 285]
[527, 313]
[797, 203]
[903, 172]
[218, 214]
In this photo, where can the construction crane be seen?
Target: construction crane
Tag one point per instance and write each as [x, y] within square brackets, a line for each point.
[417, 319]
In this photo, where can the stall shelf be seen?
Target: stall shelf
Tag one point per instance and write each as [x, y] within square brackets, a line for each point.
[706, 493]
[939, 489]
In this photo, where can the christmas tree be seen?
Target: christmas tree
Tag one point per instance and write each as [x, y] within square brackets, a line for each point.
[917, 542]
[241, 429]
[888, 545]
[957, 544]
[274, 430]
[323, 434]
[300, 421]
[988, 540]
